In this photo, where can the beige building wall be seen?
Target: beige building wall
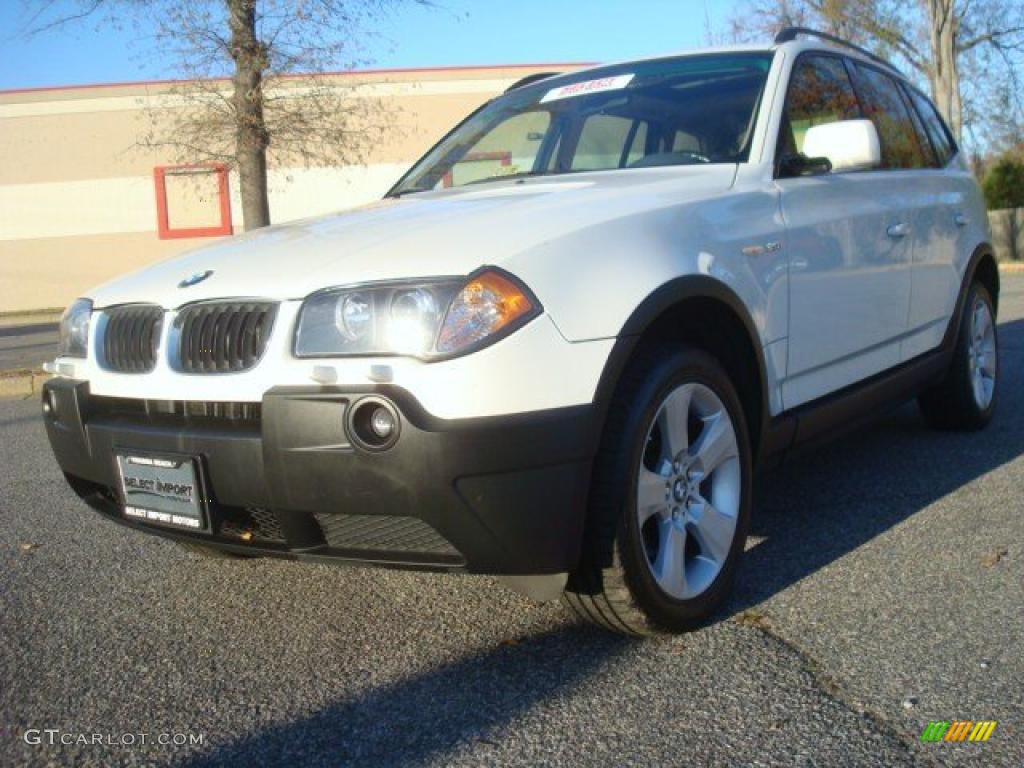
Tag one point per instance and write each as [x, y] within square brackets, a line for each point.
[78, 199]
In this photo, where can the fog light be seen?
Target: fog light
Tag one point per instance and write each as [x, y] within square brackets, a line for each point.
[373, 424]
[382, 423]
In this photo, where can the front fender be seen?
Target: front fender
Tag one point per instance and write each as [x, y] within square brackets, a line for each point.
[592, 280]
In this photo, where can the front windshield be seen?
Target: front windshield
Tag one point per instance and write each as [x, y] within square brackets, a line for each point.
[680, 111]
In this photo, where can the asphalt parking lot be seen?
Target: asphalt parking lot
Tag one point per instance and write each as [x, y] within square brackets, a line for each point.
[884, 588]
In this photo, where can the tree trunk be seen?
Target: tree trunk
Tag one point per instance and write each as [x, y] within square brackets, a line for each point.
[251, 138]
[944, 28]
[1015, 216]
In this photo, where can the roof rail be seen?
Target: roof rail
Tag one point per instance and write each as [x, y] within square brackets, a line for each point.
[789, 34]
[535, 77]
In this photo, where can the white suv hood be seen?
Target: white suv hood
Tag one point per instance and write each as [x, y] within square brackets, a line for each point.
[447, 232]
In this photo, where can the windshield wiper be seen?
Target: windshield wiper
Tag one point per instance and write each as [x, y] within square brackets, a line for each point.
[409, 191]
[506, 177]
[522, 175]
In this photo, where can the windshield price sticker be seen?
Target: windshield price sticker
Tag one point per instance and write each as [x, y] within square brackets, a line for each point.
[588, 86]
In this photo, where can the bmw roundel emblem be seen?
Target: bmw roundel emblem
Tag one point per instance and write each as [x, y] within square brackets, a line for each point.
[198, 277]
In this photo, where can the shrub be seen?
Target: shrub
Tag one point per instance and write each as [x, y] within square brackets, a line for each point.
[1004, 184]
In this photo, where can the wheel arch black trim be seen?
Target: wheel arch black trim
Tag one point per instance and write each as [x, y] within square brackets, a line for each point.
[982, 252]
[663, 299]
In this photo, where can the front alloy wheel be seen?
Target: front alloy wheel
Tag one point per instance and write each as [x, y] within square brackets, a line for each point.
[688, 491]
[670, 497]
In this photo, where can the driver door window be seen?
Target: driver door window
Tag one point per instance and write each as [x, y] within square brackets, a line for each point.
[820, 92]
[885, 107]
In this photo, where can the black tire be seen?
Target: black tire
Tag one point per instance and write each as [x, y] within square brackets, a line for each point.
[211, 553]
[952, 404]
[613, 586]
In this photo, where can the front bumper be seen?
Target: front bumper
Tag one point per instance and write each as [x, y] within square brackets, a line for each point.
[498, 495]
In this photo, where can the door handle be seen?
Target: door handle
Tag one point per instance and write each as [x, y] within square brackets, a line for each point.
[898, 230]
[960, 219]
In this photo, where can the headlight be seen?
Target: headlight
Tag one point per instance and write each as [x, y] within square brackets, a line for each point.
[428, 319]
[74, 329]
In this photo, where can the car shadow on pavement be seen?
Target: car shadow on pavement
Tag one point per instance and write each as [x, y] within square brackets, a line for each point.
[37, 416]
[820, 506]
[415, 719]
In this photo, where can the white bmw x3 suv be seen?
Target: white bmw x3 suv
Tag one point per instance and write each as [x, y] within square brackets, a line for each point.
[559, 348]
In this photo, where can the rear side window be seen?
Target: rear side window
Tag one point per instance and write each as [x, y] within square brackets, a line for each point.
[937, 132]
[931, 159]
[819, 92]
[884, 106]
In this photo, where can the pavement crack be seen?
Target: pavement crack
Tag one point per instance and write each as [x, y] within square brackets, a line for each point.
[832, 687]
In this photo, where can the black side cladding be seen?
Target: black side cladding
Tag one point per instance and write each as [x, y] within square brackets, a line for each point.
[131, 337]
[219, 337]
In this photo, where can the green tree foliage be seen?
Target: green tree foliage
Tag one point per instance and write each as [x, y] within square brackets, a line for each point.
[1004, 184]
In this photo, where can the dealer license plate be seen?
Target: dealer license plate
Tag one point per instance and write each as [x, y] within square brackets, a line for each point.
[162, 489]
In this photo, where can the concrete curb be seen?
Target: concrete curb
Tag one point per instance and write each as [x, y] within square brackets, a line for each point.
[35, 317]
[1011, 268]
[21, 384]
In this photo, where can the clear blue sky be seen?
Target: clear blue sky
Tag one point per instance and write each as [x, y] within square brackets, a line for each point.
[459, 32]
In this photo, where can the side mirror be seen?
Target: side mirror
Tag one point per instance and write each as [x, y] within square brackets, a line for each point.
[801, 165]
[850, 145]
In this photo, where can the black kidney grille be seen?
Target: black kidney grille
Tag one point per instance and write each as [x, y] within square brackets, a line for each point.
[224, 337]
[131, 338]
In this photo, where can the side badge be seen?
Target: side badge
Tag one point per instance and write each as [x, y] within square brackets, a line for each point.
[198, 277]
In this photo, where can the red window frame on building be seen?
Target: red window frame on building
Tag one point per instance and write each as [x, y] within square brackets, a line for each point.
[504, 157]
[163, 227]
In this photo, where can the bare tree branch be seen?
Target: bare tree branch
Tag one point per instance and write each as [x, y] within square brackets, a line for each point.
[274, 100]
[36, 26]
[997, 38]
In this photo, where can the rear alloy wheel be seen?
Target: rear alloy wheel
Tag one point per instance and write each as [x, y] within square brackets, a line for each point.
[966, 398]
[982, 354]
[670, 497]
